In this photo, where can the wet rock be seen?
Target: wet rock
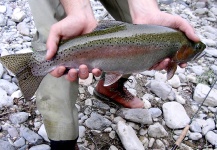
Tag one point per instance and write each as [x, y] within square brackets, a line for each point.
[175, 115]
[126, 134]
[3, 9]
[210, 126]
[198, 70]
[201, 91]
[3, 21]
[97, 122]
[136, 115]
[19, 117]
[13, 132]
[157, 131]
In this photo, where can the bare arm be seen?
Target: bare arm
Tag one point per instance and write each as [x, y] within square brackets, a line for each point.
[148, 12]
[79, 20]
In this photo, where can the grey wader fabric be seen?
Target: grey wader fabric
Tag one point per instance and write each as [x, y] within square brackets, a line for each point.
[56, 97]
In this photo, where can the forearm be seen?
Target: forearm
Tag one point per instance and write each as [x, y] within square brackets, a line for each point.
[142, 7]
[75, 6]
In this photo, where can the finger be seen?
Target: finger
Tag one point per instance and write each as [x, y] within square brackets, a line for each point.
[72, 75]
[53, 41]
[96, 72]
[163, 64]
[185, 27]
[83, 72]
[183, 65]
[58, 72]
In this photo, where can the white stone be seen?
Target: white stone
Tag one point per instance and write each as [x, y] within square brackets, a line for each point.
[42, 132]
[175, 115]
[1, 70]
[131, 83]
[192, 78]
[19, 117]
[147, 104]
[8, 87]
[112, 134]
[200, 93]
[211, 137]
[87, 81]
[23, 28]
[174, 81]
[160, 77]
[18, 15]
[81, 131]
[4, 99]
[210, 126]
[157, 131]
[90, 89]
[126, 134]
[112, 147]
[3, 9]
[88, 102]
[195, 136]
[25, 50]
[16, 94]
[180, 99]
[40, 147]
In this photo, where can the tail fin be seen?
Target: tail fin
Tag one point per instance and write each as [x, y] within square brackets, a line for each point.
[19, 65]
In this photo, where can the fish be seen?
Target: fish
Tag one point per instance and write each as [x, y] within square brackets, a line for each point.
[114, 47]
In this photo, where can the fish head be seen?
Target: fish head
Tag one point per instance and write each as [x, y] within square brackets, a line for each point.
[189, 52]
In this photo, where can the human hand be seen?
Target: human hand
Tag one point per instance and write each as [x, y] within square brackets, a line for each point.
[76, 23]
[147, 12]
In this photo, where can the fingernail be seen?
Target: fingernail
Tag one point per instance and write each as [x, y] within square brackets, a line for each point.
[83, 72]
[48, 54]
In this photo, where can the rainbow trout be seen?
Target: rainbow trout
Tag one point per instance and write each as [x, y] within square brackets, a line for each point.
[116, 48]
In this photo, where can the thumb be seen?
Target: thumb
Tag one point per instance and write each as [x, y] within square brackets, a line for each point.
[53, 41]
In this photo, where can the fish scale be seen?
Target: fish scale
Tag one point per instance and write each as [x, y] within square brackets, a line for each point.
[115, 47]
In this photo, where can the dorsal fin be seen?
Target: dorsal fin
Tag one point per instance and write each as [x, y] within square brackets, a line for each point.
[105, 24]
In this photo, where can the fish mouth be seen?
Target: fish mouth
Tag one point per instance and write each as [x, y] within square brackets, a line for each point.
[199, 55]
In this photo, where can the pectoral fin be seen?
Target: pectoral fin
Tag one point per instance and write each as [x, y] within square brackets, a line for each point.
[111, 78]
[171, 70]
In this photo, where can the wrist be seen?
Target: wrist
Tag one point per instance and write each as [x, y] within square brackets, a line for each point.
[142, 10]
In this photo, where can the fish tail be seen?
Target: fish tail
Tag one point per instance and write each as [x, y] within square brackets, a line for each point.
[18, 64]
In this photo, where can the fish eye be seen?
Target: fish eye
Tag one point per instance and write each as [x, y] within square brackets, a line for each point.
[198, 46]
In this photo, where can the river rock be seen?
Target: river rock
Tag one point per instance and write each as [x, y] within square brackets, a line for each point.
[8, 87]
[175, 115]
[138, 115]
[40, 147]
[200, 93]
[210, 126]
[4, 99]
[161, 89]
[4, 145]
[1, 70]
[18, 15]
[42, 132]
[157, 131]
[198, 70]
[97, 122]
[174, 81]
[211, 137]
[195, 136]
[19, 117]
[23, 28]
[128, 137]
[30, 135]
[19, 142]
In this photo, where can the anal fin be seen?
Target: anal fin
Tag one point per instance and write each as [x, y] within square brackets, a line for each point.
[171, 70]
